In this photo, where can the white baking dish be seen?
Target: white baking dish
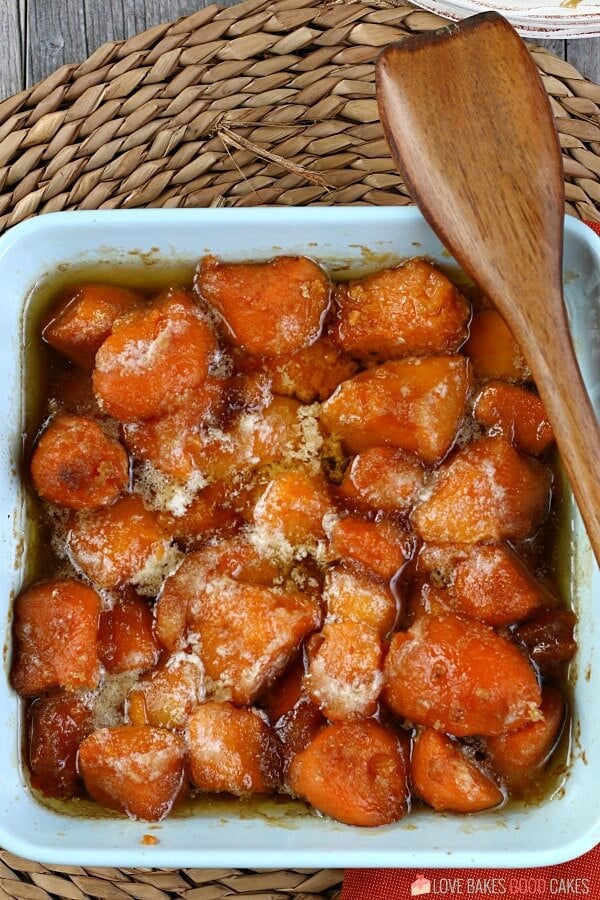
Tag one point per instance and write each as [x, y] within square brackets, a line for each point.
[560, 828]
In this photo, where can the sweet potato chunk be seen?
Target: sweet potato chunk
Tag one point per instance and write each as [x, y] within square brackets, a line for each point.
[519, 414]
[84, 319]
[344, 675]
[174, 443]
[413, 404]
[354, 772]
[271, 308]
[494, 586]
[409, 310]
[57, 726]
[56, 629]
[167, 697]
[137, 770]
[125, 637]
[426, 598]
[381, 546]
[493, 350]
[152, 357]
[383, 478]
[296, 729]
[232, 751]
[309, 374]
[459, 676]
[517, 755]
[293, 506]
[500, 495]
[248, 632]
[75, 464]
[210, 512]
[356, 594]
[112, 546]
[446, 779]
[284, 694]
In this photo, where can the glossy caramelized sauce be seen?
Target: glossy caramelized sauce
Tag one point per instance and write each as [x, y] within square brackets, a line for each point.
[54, 385]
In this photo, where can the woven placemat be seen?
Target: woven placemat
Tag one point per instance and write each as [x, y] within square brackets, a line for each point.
[261, 103]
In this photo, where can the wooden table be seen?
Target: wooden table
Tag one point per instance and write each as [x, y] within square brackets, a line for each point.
[38, 36]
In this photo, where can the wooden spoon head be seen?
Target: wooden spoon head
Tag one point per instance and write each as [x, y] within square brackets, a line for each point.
[470, 127]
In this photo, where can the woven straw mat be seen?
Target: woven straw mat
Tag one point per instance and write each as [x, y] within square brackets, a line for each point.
[261, 103]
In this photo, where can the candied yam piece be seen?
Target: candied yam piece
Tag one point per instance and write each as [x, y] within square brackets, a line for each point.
[500, 494]
[518, 413]
[126, 636]
[153, 356]
[549, 638]
[493, 350]
[167, 697]
[354, 772]
[56, 727]
[210, 512]
[247, 632]
[516, 756]
[413, 404]
[232, 751]
[408, 310]
[383, 478]
[310, 374]
[137, 770]
[271, 308]
[55, 630]
[174, 443]
[446, 779]
[296, 729]
[293, 506]
[344, 676]
[493, 585]
[115, 545]
[357, 594]
[459, 676]
[84, 319]
[75, 464]
[381, 546]
[285, 693]
[425, 598]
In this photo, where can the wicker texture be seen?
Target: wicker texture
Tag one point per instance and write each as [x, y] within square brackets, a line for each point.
[261, 103]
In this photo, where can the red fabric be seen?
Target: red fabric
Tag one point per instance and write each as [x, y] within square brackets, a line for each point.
[580, 877]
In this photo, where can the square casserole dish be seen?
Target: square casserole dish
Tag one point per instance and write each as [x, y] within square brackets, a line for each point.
[564, 825]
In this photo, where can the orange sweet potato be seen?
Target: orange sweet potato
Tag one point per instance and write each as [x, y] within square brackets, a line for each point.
[500, 495]
[56, 726]
[426, 598]
[381, 546]
[459, 676]
[113, 545]
[354, 772]
[296, 729]
[210, 512]
[354, 593]
[249, 632]
[293, 506]
[174, 443]
[344, 674]
[444, 778]
[75, 464]
[493, 585]
[493, 349]
[126, 638]
[232, 750]
[137, 770]
[84, 319]
[409, 310]
[310, 374]
[167, 697]
[519, 414]
[284, 694]
[413, 404]
[383, 478]
[153, 356]
[517, 755]
[55, 630]
[271, 308]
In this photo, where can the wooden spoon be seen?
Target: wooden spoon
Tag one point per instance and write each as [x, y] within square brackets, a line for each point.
[470, 127]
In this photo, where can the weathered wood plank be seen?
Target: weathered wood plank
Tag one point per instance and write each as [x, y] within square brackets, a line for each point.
[584, 54]
[56, 34]
[12, 67]
[559, 48]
